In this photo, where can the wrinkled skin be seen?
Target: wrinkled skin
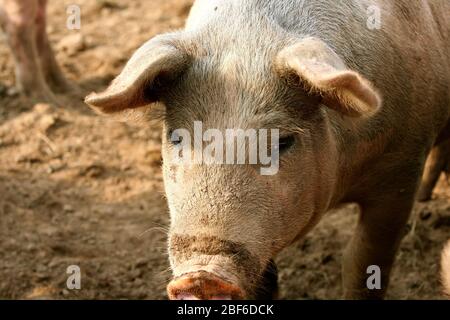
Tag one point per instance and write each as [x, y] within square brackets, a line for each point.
[363, 107]
[37, 72]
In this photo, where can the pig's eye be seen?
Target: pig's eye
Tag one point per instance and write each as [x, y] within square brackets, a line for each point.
[286, 143]
[174, 137]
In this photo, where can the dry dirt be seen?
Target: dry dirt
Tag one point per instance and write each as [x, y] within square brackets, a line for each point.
[79, 189]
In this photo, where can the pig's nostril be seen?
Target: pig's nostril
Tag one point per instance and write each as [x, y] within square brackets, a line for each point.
[202, 286]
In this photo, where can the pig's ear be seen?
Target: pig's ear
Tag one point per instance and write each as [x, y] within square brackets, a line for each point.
[321, 71]
[154, 64]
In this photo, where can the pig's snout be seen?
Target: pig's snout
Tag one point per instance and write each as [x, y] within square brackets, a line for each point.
[202, 285]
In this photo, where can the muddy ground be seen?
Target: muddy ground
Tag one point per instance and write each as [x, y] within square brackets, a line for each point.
[79, 189]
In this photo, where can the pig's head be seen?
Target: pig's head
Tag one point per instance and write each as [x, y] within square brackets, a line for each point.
[228, 221]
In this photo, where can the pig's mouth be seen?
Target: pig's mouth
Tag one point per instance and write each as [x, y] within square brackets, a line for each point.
[209, 268]
[203, 285]
[206, 281]
[216, 282]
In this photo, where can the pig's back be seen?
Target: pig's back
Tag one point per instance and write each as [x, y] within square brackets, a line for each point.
[407, 56]
[343, 25]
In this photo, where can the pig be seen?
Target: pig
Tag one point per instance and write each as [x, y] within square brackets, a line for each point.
[358, 110]
[37, 72]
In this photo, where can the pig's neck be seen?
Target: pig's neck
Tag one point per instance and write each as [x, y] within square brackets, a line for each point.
[358, 143]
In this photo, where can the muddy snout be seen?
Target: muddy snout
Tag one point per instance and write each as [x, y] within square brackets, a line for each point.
[203, 285]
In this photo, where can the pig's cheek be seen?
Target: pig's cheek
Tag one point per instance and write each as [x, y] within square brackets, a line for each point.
[284, 193]
[171, 170]
[171, 174]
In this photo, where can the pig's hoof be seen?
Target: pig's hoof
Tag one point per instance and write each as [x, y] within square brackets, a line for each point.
[44, 97]
[67, 87]
[38, 93]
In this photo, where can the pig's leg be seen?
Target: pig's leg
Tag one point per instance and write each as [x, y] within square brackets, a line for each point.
[268, 287]
[379, 231]
[50, 67]
[436, 163]
[18, 21]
